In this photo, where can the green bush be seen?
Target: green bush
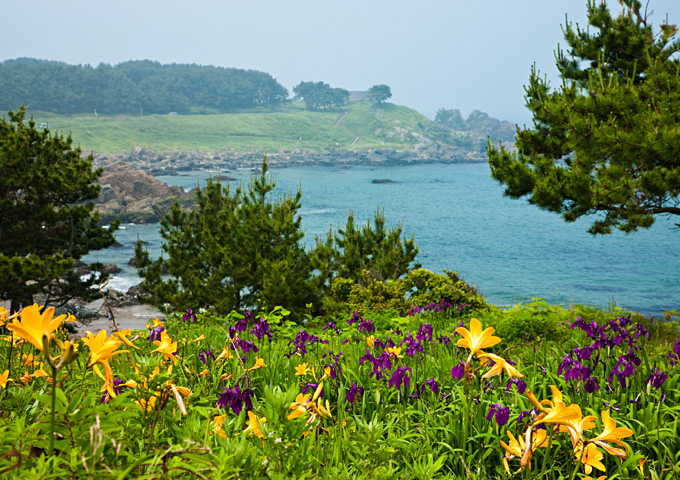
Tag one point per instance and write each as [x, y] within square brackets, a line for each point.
[419, 288]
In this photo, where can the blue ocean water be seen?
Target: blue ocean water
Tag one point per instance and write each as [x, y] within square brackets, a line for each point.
[509, 249]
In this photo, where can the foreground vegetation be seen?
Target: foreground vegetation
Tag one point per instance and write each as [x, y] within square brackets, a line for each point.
[565, 394]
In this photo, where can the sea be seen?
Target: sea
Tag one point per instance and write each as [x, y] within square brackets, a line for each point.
[511, 251]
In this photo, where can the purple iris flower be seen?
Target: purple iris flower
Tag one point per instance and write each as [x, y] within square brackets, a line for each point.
[592, 385]
[424, 331]
[204, 355]
[236, 399]
[458, 372]
[189, 316]
[332, 326]
[432, 383]
[531, 413]
[355, 318]
[366, 326]
[657, 378]
[400, 375]
[501, 413]
[312, 387]
[676, 348]
[261, 329]
[445, 339]
[351, 394]
[155, 334]
[521, 385]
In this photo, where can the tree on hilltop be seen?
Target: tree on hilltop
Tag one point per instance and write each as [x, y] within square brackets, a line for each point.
[48, 219]
[379, 93]
[606, 142]
[320, 94]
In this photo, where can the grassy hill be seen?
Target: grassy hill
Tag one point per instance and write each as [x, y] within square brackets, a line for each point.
[291, 127]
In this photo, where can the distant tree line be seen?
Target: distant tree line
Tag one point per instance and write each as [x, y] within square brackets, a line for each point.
[133, 87]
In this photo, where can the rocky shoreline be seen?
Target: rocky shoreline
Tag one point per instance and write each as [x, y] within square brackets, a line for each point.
[171, 163]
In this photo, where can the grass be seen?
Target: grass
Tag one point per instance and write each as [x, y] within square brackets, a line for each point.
[289, 127]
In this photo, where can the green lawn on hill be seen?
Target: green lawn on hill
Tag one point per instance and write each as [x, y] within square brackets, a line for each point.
[291, 127]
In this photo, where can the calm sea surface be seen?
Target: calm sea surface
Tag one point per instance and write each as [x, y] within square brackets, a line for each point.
[510, 250]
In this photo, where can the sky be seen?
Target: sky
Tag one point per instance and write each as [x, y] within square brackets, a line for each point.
[469, 55]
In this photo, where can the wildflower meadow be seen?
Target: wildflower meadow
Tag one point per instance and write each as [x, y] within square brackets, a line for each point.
[535, 391]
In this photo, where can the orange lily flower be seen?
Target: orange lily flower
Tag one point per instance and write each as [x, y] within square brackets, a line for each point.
[612, 434]
[34, 325]
[501, 365]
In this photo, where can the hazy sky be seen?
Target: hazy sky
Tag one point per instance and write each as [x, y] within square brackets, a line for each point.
[465, 54]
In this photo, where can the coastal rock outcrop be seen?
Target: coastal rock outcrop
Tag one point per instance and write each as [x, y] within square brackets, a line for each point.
[134, 195]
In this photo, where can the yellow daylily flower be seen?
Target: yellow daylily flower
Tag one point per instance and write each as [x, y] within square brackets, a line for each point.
[517, 448]
[560, 414]
[225, 355]
[556, 394]
[123, 334]
[26, 378]
[612, 434]
[396, 351]
[6, 317]
[591, 458]
[218, 421]
[475, 339]
[302, 369]
[199, 339]
[259, 363]
[166, 346]
[34, 325]
[147, 405]
[254, 425]
[300, 406]
[29, 360]
[156, 323]
[370, 341]
[577, 426]
[101, 347]
[642, 465]
[500, 365]
[4, 378]
[40, 372]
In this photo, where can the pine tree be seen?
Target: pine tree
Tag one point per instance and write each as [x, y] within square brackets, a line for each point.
[237, 250]
[47, 218]
[606, 142]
